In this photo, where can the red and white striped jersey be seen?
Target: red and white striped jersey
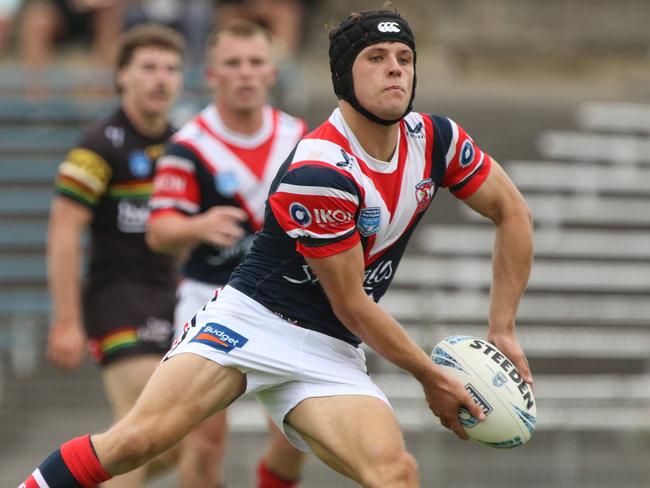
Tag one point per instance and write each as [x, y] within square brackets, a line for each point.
[207, 164]
[331, 194]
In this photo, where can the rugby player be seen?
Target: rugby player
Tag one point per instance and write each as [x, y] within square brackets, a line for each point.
[288, 325]
[124, 309]
[209, 194]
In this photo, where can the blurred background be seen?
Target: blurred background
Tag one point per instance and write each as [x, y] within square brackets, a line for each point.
[557, 91]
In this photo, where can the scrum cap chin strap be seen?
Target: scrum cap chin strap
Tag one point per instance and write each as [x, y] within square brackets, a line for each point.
[350, 37]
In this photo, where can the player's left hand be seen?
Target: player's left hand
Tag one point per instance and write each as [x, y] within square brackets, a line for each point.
[66, 345]
[509, 345]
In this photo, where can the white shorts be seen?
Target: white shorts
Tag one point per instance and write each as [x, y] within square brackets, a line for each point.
[191, 296]
[284, 364]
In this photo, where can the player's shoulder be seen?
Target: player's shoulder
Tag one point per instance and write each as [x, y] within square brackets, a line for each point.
[106, 135]
[288, 120]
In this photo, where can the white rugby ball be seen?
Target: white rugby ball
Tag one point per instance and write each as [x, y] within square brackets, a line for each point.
[495, 385]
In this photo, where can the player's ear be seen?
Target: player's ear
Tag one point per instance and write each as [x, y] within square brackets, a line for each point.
[208, 73]
[120, 78]
[273, 75]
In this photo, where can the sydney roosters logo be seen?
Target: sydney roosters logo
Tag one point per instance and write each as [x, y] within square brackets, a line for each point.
[424, 192]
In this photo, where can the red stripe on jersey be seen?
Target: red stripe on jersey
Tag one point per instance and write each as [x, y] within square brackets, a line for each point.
[154, 214]
[315, 216]
[237, 197]
[256, 158]
[328, 132]
[467, 157]
[428, 154]
[176, 184]
[329, 250]
[476, 180]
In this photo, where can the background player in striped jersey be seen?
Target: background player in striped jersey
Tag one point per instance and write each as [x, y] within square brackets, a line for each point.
[126, 307]
[209, 194]
[287, 326]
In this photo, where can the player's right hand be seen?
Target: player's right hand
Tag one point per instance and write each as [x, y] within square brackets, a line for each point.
[66, 345]
[445, 396]
[221, 225]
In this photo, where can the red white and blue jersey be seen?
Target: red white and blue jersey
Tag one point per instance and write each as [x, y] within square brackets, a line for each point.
[330, 195]
[207, 164]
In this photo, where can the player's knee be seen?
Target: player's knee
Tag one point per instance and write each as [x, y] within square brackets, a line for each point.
[124, 447]
[392, 469]
[206, 443]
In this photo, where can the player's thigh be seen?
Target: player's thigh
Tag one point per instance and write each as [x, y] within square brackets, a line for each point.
[125, 379]
[351, 433]
[183, 391]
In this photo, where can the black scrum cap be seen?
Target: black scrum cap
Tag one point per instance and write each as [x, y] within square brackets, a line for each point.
[350, 37]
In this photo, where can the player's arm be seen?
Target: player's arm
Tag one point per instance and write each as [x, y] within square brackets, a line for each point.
[68, 220]
[341, 276]
[175, 233]
[499, 200]
[176, 224]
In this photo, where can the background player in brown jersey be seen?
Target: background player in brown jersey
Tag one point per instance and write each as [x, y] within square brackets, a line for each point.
[125, 310]
[209, 195]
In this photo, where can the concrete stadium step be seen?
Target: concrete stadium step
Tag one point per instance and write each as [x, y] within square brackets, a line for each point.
[31, 301]
[591, 147]
[549, 242]
[28, 170]
[22, 233]
[52, 140]
[465, 306]
[59, 110]
[571, 176]
[33, 201]
[23, 268]
[549, 342]
[547, 275]
[622, 117]
[586, 210]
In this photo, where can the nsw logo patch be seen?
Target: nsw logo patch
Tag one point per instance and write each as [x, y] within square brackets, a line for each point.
[369, 221]
[219, 337]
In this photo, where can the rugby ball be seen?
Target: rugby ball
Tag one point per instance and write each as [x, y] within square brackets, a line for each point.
[495, 385]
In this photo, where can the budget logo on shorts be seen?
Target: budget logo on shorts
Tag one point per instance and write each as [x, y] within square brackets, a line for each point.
[219, 337]
[369, 221]
[300, 214]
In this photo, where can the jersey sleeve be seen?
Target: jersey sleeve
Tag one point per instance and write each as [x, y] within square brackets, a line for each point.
[175, 187]
[317, 205]
[84, 175]
[466, 166]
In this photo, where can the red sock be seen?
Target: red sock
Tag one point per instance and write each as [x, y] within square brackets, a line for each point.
[74, 464]
[82, 461]
[268, 479]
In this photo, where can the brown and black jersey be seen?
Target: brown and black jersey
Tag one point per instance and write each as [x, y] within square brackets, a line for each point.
[111, 172]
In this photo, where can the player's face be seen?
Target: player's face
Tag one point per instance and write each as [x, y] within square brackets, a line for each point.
[241, 71]
[152, 80]
[383, 78]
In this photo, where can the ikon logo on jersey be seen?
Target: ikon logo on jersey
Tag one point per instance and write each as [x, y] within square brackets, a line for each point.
[424, 192]
[326, 217]
[219, 337]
